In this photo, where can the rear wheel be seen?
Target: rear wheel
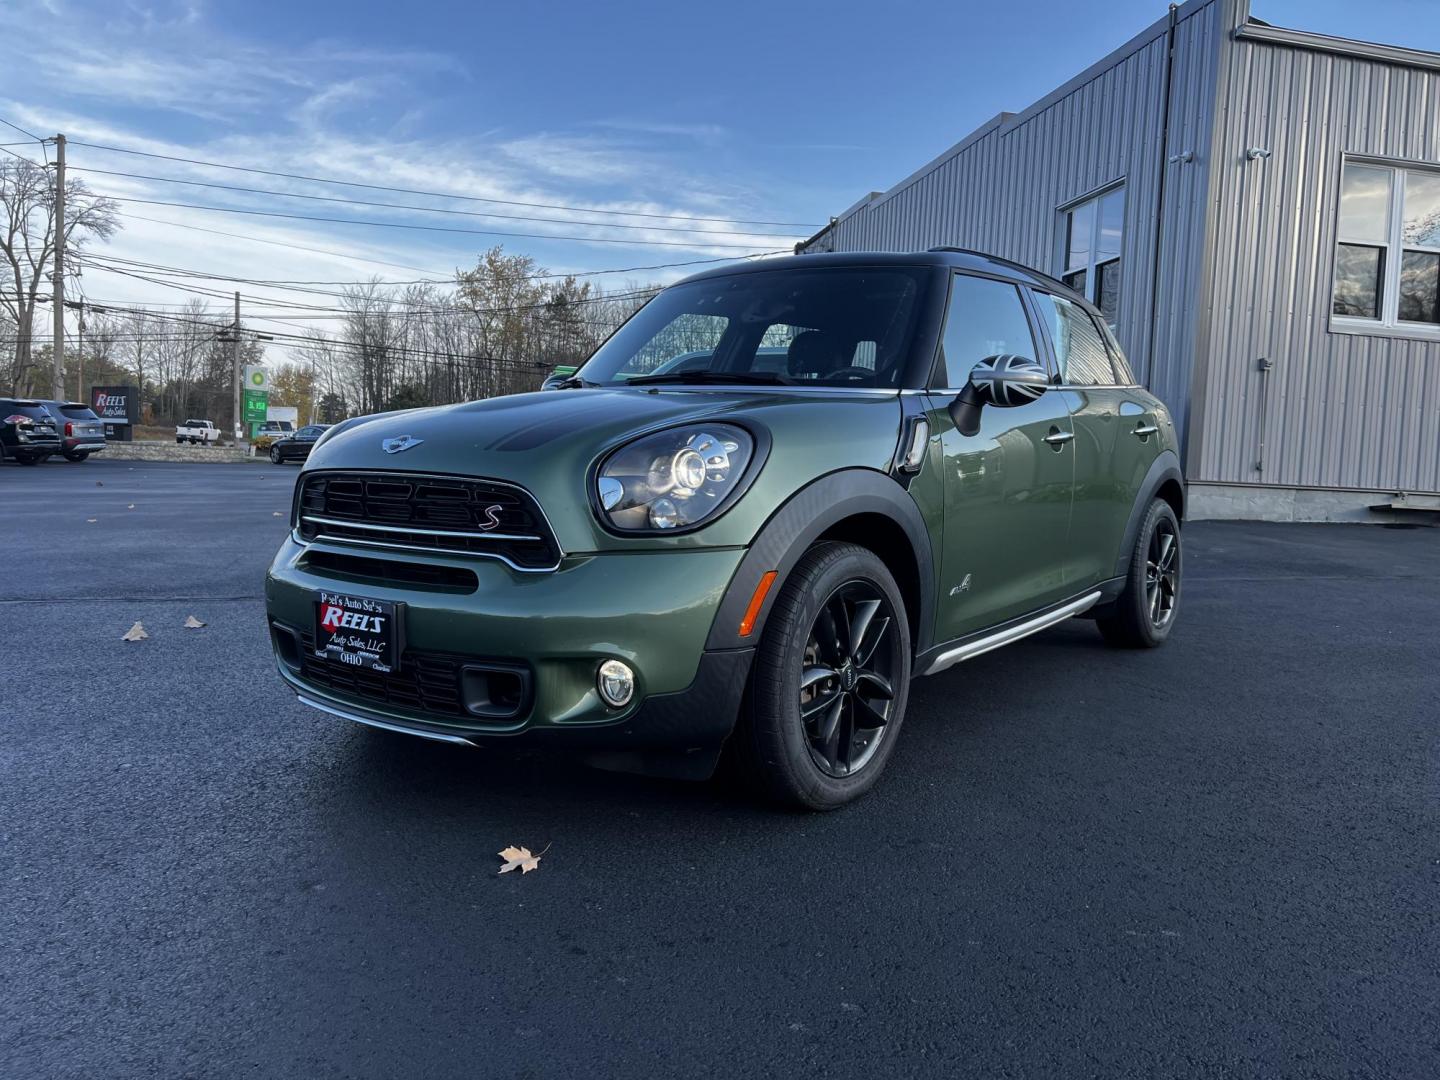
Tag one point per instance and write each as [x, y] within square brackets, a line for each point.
[830, 682]
[1144, 614]
[275, 457]
[76, 455]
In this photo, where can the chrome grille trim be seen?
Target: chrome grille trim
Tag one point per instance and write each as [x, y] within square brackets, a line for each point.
[308, 528]
[423, 532]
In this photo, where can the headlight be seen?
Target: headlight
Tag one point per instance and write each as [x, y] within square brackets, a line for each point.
[673, 479]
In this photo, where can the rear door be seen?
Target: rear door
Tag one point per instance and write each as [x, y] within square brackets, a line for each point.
[1092, 392]
[1008, 487]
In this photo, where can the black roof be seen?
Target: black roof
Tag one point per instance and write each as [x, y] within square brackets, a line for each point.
[953, 258]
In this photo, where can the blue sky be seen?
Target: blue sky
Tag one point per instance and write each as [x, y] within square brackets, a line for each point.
[778, 111]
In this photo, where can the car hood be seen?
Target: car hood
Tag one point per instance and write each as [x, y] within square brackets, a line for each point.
[549, 441]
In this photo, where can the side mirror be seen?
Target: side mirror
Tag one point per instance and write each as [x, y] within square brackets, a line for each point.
[1000, 381]
[558, 377]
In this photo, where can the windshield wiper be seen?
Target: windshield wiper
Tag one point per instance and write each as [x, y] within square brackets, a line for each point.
[739, 378]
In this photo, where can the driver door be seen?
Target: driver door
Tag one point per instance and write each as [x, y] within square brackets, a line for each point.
[1008, 488]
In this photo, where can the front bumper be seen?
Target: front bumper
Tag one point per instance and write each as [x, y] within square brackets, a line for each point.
[652, 610]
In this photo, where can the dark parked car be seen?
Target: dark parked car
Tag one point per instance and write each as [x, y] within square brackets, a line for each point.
[296, 447]
[28, 432]
[82, 432]
[744, 548]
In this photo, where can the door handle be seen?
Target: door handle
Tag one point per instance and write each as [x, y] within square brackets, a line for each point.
[1058, 438]
[1144, 430]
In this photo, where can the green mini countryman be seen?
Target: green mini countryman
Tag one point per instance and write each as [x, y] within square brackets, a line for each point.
[773, 497]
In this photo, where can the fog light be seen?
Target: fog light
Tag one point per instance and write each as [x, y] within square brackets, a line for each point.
[616, 683]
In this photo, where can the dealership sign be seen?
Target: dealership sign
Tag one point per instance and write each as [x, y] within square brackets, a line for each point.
[116, 404]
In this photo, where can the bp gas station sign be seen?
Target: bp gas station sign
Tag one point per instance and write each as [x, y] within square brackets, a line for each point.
[255, 396]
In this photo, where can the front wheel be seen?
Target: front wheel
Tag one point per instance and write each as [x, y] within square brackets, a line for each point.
[275, 458]
[1144, 614]
[831, 677]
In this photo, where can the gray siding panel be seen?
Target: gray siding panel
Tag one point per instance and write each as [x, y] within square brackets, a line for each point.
[1343, 410]
[1000, 191]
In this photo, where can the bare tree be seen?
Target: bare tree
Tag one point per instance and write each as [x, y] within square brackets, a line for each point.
[27, 242]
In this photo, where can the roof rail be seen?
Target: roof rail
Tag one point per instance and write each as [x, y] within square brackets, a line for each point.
[998, 259]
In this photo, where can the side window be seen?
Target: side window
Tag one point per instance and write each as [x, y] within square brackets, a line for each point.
[986, 318]
[1079, 348]
[1123, 373]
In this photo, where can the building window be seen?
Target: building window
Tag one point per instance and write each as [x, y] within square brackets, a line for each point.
[1387, 252]
[1092, 250]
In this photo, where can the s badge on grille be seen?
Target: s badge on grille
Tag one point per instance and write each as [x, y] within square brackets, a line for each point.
[404, 442]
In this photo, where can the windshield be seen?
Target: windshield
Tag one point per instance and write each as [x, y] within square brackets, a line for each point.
[847, 326]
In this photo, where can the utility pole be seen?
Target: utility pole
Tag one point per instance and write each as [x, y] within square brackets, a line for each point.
[80, 359]
[57, 389]
[235, 363]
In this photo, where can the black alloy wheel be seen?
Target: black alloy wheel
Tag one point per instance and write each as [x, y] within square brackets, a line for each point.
[847, 681]
[275, 456]
[828, 686]
[1162, 573]
[1144, 613]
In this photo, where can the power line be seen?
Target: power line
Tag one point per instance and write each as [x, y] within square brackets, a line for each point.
[425, 228]
[22, 131]
[279, 282]
[276, 243]
[423, 209]
[439, 194]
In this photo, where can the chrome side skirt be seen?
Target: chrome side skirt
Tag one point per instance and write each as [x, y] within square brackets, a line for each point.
[363, 718]
[968, 650]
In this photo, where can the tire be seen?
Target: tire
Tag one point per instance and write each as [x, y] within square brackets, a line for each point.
[784, 755]
[76, 455]
[1139, 618]
[28, 460]
[275, 457]
[179, 441]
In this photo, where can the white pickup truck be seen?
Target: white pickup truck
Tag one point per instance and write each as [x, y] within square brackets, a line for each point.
[197, 431]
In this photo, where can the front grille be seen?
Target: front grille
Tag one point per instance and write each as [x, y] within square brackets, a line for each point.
[426, 682]
[451, 514]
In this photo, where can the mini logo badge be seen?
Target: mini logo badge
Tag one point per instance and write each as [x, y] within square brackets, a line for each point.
[404, 442]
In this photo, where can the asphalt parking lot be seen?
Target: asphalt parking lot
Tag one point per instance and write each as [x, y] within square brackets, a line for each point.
[1216, 859]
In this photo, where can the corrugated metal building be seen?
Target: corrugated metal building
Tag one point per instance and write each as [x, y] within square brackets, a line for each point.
[1257, 211]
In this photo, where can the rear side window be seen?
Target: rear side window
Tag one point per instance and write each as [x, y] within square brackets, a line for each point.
[1079, 348]
[986, 318]
[1123, 374]
[32, 409]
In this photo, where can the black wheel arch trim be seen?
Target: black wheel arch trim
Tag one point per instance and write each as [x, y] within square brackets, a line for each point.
[1164, 468]
[805, 517]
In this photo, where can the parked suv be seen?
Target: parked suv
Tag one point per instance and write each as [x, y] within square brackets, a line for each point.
[82, 432]
[662, 562]
[27, 431]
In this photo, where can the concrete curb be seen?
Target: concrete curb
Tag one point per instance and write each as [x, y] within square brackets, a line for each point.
[158, 451]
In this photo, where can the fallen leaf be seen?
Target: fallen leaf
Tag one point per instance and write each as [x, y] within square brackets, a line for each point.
[520, 857]
[135, 633]
[91, 521]
[276, 513]
[130, 507]
[192, 623]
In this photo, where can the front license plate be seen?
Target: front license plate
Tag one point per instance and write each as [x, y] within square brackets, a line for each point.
[357, 631]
